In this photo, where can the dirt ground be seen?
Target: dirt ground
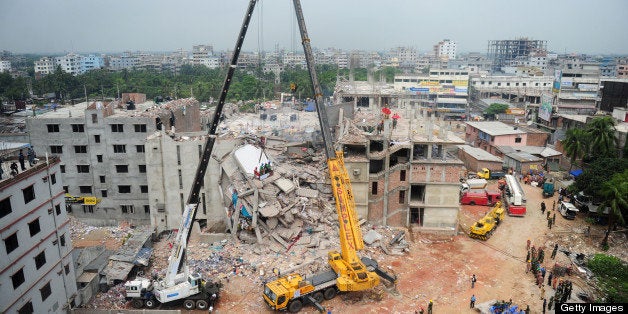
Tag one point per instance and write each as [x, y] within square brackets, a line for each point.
[440, 268]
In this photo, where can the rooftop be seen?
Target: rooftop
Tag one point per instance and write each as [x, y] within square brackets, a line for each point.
[495, 128]
[479, 154]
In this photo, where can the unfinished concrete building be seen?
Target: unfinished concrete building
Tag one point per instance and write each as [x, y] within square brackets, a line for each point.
[404, 170]
[503, 52]
[103, 156]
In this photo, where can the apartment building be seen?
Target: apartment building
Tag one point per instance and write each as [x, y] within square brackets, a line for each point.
[489, 135]
[70, 63]
[5, 66]
[445, 49]
[579, 87]
[517, 88]
[36, 270]
[44, 66]
[103, 153]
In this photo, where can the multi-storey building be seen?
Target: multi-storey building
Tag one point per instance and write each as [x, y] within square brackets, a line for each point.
[70, 63]
[125, 61]
[442, 90]
[201, 53]
[45, 66]
[516, 88]
[36, 269]
[489, 135]
[292, 59]
[445, 49]
[91, 62]
[502, 52]
[5, 66]
[622, 68]
[102, 150]
[579, 87]
[404, 173]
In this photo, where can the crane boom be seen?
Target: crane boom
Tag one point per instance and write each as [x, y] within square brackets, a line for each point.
[177, 257]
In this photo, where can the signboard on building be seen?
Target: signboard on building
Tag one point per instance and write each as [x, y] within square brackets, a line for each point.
[545, 110]
[556, 85]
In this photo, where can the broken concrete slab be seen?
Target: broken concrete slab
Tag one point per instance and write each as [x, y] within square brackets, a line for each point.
[269, 210]
[285, 185]
[307, 192]
[371, 237]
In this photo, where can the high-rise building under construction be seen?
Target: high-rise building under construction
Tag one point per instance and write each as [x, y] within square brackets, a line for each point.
[503, 52]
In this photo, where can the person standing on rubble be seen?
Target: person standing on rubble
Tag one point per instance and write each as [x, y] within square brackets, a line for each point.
[429, 307]
[554, 251]
[473, 280]
[528, 245]
[472, 303]
[543, 207]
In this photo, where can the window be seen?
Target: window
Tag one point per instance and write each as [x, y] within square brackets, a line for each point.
[140, 128]
[99, 158]
[62, 168]
[56, 149]
[33, 227]
[97, 138]
[62, 240]
[144, 188]
[27, 308]
[58, 209]
[402, 197]
[119, 148]
[94, 118]
[122, 168]
[40, 259]
[53, 128]
[142, 168]
[45, 292]
[29, 194]
[139, 148]
[146, 209]
[402, 175]
[82, 168]
[11, 243]
[79, 128]
[102, 179]
[127, 209]
[124, 189]
[5, 207]
[65, 189]
[117, 128]
[67, 268]
[85, 189]
[517, 140]
[53, 179]
[18, 278]
[374, 188]
[103, 193]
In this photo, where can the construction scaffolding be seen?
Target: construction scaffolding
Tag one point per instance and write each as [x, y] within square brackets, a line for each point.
[504, 51]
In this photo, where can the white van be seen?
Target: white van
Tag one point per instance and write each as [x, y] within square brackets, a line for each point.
[568, 210]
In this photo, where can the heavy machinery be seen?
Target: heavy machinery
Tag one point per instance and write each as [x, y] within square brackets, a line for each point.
[473, 184]
[179, 283]
[514, 197]
[490, 174]
[548, 188]
[484, 228]
[479, 197]
[348, 272]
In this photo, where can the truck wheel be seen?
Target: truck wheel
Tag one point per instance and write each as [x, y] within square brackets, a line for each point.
[189, 304]
[330, 293]
[318, 296]
[151, 303]
[201, 305]
[137, 303]
[295, 306]
[472, 203]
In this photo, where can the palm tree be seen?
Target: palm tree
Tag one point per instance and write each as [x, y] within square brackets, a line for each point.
[615, 193]
[575, 143]
[602, 134]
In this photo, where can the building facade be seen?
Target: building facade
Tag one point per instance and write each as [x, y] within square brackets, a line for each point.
[5, 66]
[45, 66]
[445, 49]
[103, 153]
[36, 270]
[489, 135]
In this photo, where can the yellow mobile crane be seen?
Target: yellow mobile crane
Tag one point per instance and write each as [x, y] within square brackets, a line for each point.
[348, 272]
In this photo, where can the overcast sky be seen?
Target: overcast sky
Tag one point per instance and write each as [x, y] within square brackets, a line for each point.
[57, 26]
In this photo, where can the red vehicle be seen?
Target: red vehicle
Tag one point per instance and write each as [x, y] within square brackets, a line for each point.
[479, 197]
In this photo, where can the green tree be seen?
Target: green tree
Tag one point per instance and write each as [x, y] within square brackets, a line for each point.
[612, 274]
[575, 144]
[601, 132]
[615, 195]
[597, 172]
[496, 108]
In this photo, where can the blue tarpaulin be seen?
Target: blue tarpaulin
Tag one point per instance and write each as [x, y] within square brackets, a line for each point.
[576, 172]
[311, 106]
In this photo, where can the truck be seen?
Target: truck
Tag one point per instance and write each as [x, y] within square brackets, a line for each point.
[473, 184]
[548, 188]
[567, 210]
[179, 284]
[479, 197]
[488, 174]
[347, 271]
[484, 228]
[513, 196]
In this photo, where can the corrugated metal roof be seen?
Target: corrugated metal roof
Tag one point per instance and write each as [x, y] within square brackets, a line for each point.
[479, 154]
